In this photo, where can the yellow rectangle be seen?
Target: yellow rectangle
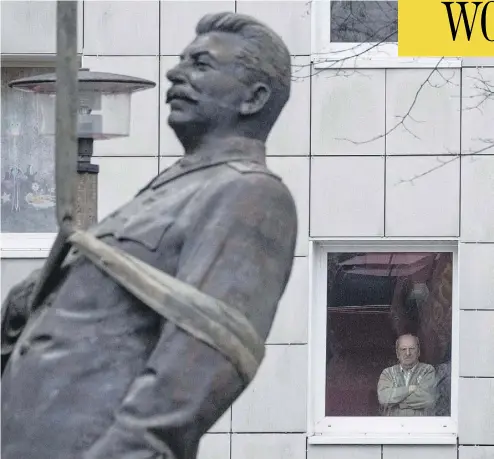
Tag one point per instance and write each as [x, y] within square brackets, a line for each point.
[435, 28]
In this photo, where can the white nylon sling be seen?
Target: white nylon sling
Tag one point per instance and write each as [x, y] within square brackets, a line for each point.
[204, 317]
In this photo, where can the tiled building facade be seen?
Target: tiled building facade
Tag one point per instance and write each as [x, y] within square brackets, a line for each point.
[352, 174]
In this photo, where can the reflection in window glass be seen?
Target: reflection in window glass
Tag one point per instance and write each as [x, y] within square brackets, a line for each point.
[28, 189]
[364, 21]
[374, 299]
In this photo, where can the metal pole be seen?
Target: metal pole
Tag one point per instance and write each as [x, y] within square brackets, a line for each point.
[86, 212]
[67, 102]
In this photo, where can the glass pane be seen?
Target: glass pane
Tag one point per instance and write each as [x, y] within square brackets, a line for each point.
[28, 188]
[388, 347]
[364, 21]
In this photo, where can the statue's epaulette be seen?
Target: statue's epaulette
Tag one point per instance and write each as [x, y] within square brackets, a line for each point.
[249, 167]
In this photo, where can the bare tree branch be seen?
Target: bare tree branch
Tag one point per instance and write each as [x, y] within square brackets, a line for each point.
[352, 21]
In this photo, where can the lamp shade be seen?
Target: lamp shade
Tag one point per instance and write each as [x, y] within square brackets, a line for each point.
[104, 102]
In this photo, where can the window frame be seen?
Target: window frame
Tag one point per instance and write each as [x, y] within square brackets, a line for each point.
[322, 429]
[360, 55]
[26, 245]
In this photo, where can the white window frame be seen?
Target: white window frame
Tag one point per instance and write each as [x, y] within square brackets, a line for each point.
[323, 429]
[28, 245]
[327, 55]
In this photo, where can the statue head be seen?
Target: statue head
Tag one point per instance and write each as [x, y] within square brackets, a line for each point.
[233, 79]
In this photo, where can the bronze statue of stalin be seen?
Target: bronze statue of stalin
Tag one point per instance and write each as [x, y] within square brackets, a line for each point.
[97, 374]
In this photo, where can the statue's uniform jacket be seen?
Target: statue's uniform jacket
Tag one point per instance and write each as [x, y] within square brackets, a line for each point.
[99, 375]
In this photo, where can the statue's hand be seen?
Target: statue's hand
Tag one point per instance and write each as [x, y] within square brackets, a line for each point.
[15, 313]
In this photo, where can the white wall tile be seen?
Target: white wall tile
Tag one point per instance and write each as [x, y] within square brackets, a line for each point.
[295, 174]
[293, 24]
[291, 133]
[223, 424]
[29, 27]
[476, 272]
[268, 446]
[121, 28]
[476, 411]
[143, 136]
[344, 452]
[291, 321]
[422, 196]
[169, 144]
[347, 196]
[15, 270]
[423, 111]
[214, 446]
[476, 342]
[476, 452]
[478, 110]
[348, 116]
[422, 451]
[120, 179]
[276, 399]
[477, 198]
[179, 20]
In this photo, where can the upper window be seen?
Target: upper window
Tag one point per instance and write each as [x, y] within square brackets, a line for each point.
[28, 189]
[361, 33]
[383, 334]
[364, 21]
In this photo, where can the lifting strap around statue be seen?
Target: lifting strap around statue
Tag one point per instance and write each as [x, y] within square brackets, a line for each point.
[202, 316]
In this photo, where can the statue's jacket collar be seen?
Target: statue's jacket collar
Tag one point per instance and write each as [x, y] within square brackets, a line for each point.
[237, 149]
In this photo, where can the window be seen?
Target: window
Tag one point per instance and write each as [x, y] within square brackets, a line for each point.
[27, 168]
[365, 382]
[364, 21]
[361, 33]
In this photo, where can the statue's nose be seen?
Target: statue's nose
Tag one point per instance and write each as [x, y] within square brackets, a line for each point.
[176, 74]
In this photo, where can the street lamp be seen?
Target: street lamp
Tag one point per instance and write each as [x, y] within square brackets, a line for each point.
[103, 113]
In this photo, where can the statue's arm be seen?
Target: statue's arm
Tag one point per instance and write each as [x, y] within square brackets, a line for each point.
[240, 250]
[15, 313]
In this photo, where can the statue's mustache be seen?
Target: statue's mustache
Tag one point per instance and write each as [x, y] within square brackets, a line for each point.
[181, 92]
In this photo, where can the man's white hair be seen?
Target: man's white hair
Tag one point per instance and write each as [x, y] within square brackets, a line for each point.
[407, 334]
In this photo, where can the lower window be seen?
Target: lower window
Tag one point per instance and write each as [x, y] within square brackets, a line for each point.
[383, 341]
[28, 220]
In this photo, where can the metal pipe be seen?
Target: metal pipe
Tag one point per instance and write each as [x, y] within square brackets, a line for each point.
[86, 213]
[67, 102]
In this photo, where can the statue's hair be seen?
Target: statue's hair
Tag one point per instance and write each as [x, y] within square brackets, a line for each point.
[264, 54]
[407, 334]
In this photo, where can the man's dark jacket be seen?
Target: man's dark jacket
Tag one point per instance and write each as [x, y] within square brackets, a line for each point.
[99, 375]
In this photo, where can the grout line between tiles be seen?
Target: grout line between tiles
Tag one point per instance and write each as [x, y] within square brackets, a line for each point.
[159, 87]
[385, 152]
[310, 149]
[82, 23]
[461, 151]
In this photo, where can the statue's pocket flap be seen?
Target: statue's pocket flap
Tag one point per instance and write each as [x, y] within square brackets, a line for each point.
[147, 230]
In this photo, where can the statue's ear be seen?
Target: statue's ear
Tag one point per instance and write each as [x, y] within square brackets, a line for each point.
[257, 96]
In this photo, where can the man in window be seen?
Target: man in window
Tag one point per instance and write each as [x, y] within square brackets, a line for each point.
[407, 388]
